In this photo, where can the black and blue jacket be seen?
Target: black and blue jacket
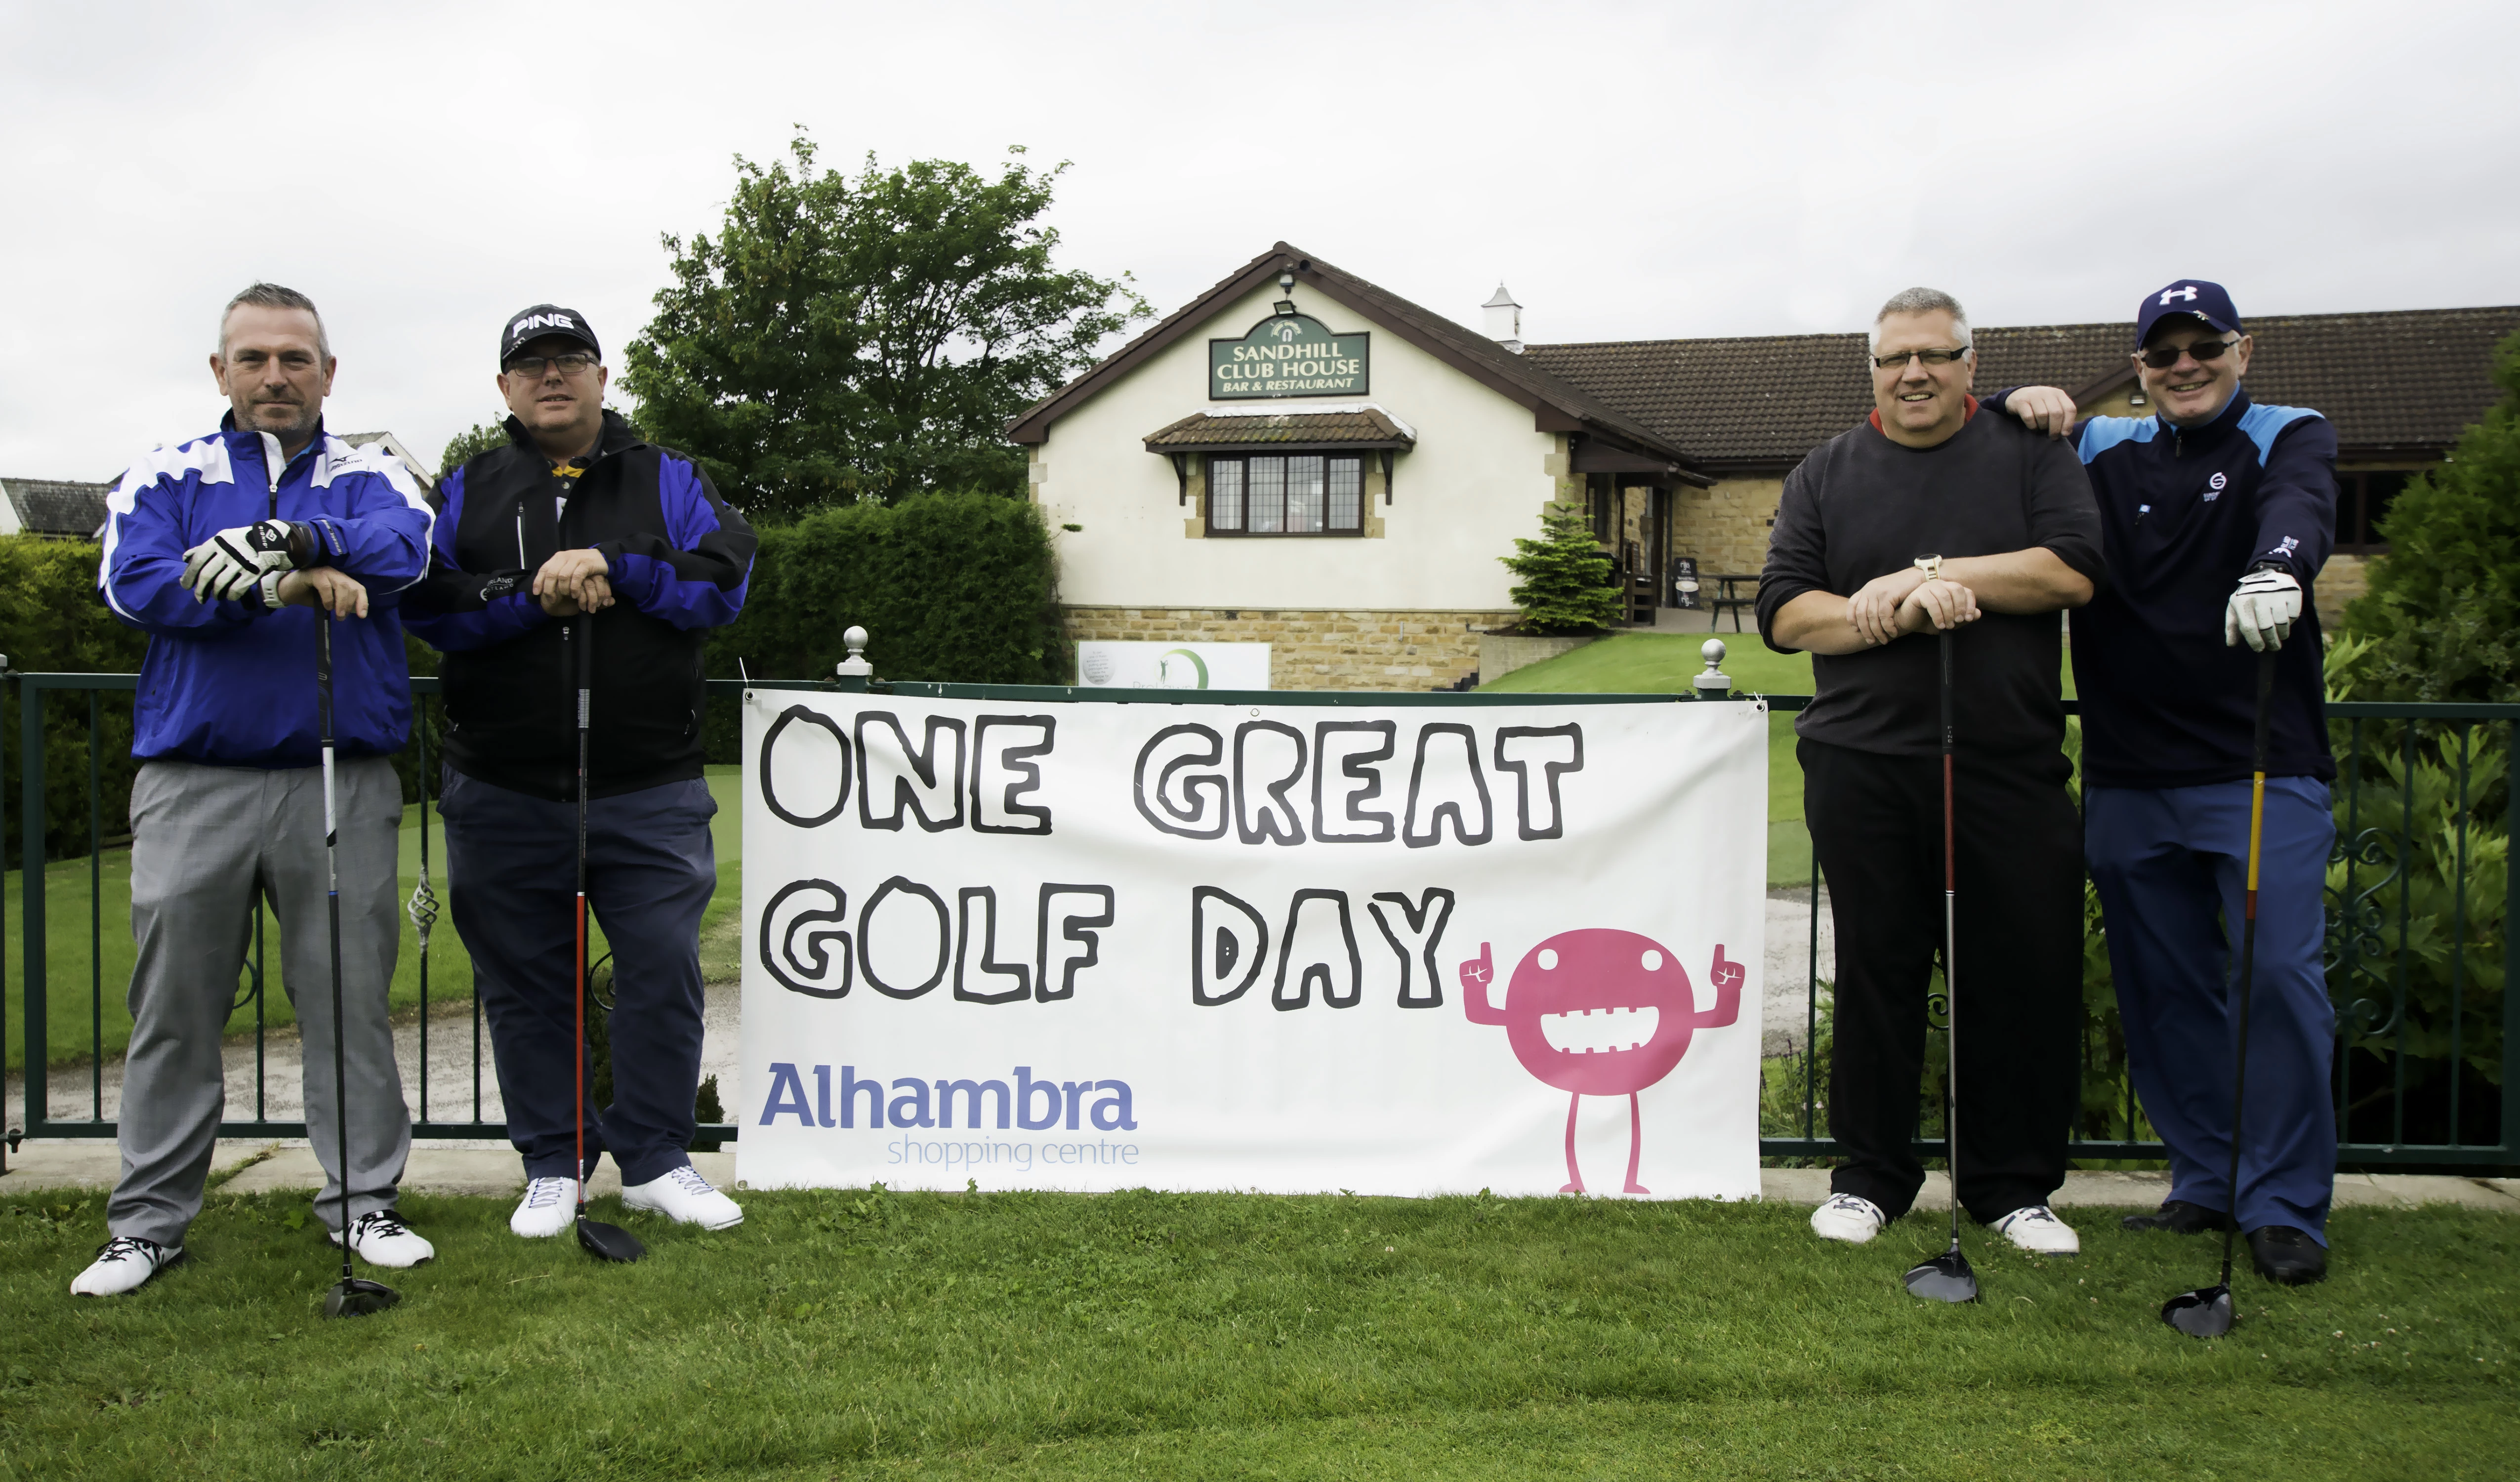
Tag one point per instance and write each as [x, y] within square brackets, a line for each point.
[679, 561]
[231, 684]
[2184, 514]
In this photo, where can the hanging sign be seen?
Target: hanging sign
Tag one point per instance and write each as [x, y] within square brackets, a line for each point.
[1290, 355]
[1402, 950]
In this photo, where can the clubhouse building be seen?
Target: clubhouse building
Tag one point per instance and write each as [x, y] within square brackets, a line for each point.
[1300, 458]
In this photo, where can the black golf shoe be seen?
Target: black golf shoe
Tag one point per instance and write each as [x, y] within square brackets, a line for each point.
[2288, 1256]
[2178, 1217]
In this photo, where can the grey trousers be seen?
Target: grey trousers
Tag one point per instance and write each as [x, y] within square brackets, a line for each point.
[206, 843]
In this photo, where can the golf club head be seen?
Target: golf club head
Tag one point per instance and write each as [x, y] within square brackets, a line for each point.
[1946, 1277]
[607, 1243]
[357, 1296]
[2205, 1313]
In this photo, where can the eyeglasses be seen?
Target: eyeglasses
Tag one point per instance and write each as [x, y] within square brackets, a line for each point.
[2203, 349]
[1899, 361]
[531, 365]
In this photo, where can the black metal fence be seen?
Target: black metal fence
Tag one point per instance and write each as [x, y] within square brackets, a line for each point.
[2421, 903]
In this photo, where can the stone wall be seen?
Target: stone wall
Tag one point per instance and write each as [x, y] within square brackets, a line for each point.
[1310, 648]
[1725, 528]
[2344, 578]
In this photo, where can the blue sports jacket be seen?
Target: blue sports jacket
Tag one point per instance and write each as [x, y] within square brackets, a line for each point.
[2184, 514]
[679, 558]
[231, 684]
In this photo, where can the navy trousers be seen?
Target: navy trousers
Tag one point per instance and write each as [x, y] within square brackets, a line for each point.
[511, 870]
[2172, 866]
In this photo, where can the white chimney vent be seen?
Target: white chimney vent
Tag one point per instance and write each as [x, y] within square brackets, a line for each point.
[1505, 320]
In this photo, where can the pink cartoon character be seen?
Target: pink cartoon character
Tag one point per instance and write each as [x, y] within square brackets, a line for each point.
[1600, 1013]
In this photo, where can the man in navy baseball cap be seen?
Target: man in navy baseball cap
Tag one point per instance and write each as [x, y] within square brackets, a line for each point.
[2193, 297]
[545, 321]
[2216, 516]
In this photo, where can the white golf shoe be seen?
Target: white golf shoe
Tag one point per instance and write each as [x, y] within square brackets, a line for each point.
[2036, 1229]
[1849, 1218]
[683, 1197]
[549, 1208]
[382, 1239]
[121, 1264]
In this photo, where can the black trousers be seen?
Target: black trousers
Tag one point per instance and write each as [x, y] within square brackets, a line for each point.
[1876, 825]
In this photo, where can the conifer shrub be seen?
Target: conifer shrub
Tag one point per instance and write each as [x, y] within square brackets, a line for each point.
[1566, 587]
[2441, 622]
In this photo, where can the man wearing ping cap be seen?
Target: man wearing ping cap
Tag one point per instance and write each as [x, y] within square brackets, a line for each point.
[2217, 512]
[580, 532]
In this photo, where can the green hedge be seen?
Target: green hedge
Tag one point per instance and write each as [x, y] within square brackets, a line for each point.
[957, 587]
[951, 586]
[52, 621]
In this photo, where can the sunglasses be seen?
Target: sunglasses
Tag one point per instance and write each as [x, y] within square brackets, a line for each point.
[2203, 350]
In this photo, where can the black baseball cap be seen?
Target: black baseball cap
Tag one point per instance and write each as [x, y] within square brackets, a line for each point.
[527, 326]
[2193, 296]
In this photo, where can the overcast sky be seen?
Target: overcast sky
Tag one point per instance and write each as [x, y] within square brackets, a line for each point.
[1631, 171]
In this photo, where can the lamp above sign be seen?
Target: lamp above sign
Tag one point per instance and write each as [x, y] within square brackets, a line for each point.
[1289, 355]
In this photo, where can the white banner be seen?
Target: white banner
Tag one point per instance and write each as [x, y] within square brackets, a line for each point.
[1398, 949]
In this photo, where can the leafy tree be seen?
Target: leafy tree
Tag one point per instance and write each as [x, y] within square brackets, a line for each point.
[469, 445]
[2441, 620]
[844, 339]
[1566, 585]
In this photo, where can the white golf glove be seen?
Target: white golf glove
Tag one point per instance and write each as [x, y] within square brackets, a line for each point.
[2261, 611]
[228, 564]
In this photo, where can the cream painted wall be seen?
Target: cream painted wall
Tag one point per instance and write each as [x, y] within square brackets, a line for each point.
[1477, 479]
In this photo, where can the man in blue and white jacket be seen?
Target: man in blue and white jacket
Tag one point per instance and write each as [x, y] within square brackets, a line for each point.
[2217, 514]
[228, 551]
[580, 533]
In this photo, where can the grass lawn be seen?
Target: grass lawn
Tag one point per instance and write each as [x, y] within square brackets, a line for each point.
[1664, 664]
[74, 1010]
[852, 1334]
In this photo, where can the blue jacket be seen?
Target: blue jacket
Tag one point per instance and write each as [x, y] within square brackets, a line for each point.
[680, 559]
[231, 683]
[2184, 514]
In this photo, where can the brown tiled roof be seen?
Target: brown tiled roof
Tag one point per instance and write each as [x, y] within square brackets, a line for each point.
[1559, 404]
[1201, 430]
[2415, 379]
[57, 507]
[2400, 381]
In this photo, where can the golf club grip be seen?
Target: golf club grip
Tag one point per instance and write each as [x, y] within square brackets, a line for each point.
[1951, 870]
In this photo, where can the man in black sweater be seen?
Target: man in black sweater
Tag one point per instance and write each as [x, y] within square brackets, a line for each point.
[580, 533]
[1931, 519]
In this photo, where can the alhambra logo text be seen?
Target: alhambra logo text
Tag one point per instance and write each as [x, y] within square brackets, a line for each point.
[1395, 950]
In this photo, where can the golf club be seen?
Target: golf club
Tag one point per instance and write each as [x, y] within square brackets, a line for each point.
[1947, 1278]
[608, 1242]
[2207, 1312]
[352, 1297]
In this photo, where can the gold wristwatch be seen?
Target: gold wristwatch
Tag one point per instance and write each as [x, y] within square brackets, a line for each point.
[1931, 565]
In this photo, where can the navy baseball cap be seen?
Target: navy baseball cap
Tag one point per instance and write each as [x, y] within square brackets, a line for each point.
[2193, 296]
[527, 326]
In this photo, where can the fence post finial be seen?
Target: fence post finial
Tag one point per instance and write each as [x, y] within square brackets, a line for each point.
[1714, 684]
[854, 670]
